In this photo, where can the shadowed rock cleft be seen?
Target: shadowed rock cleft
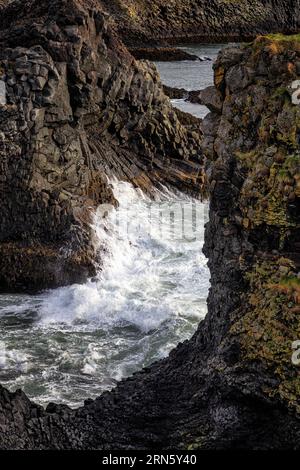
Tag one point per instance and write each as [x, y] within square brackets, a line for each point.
[233, 385]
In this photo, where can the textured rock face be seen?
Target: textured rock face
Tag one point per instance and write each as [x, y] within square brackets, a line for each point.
[255, 218]
[233, 385]
[75, 108]
[209, 20]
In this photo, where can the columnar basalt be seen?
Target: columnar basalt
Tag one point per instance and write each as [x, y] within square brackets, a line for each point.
[253, 139]
[75, 109]
[144, 22]
[233, 385]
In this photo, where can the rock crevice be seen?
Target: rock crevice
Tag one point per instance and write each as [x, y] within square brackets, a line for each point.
[233, 385]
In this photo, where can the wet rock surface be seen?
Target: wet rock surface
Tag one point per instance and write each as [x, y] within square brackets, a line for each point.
[233, 385]
[76, 108]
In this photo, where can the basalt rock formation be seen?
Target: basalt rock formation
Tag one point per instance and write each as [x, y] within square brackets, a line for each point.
[75, 108]
[234, 384]
[160, 22]
[162, 54]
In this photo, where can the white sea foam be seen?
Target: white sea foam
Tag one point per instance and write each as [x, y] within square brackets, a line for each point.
[73, 342]
[146, 274]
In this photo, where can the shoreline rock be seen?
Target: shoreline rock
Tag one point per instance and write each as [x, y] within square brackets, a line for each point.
[162, 54]
[77, 109]
[233, 385]
[175, 93]
[193, 96]
[141, 22]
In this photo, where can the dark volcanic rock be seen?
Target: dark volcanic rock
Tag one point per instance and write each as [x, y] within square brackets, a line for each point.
[162, 54]
[233, 385]
[194, 97]
[144, 22]
[190, 121]
[211, 98]
[180, 93]
[175, 93]
[75, 108]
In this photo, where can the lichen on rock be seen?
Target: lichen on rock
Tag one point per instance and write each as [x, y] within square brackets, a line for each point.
[233, 385]
[257, 148]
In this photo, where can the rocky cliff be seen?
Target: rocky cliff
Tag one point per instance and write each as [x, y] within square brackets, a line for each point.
[75, 107]
[156, 21]
[252, 136]
[233, 385]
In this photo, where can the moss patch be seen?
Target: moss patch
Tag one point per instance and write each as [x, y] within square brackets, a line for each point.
[271, 324]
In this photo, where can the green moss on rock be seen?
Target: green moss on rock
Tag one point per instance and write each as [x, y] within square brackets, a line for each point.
[271, 323]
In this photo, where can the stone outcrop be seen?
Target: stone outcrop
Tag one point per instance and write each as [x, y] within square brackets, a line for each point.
[233, 385]
[75, 108]
[162, 54]
[193, 96]
[252, 135]
[158, 22]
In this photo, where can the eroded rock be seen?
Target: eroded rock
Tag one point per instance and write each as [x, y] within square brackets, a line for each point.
[157, 22]
[234, 385]
[76, 109]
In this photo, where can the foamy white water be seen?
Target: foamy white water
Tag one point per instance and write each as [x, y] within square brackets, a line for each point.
[72, 343]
